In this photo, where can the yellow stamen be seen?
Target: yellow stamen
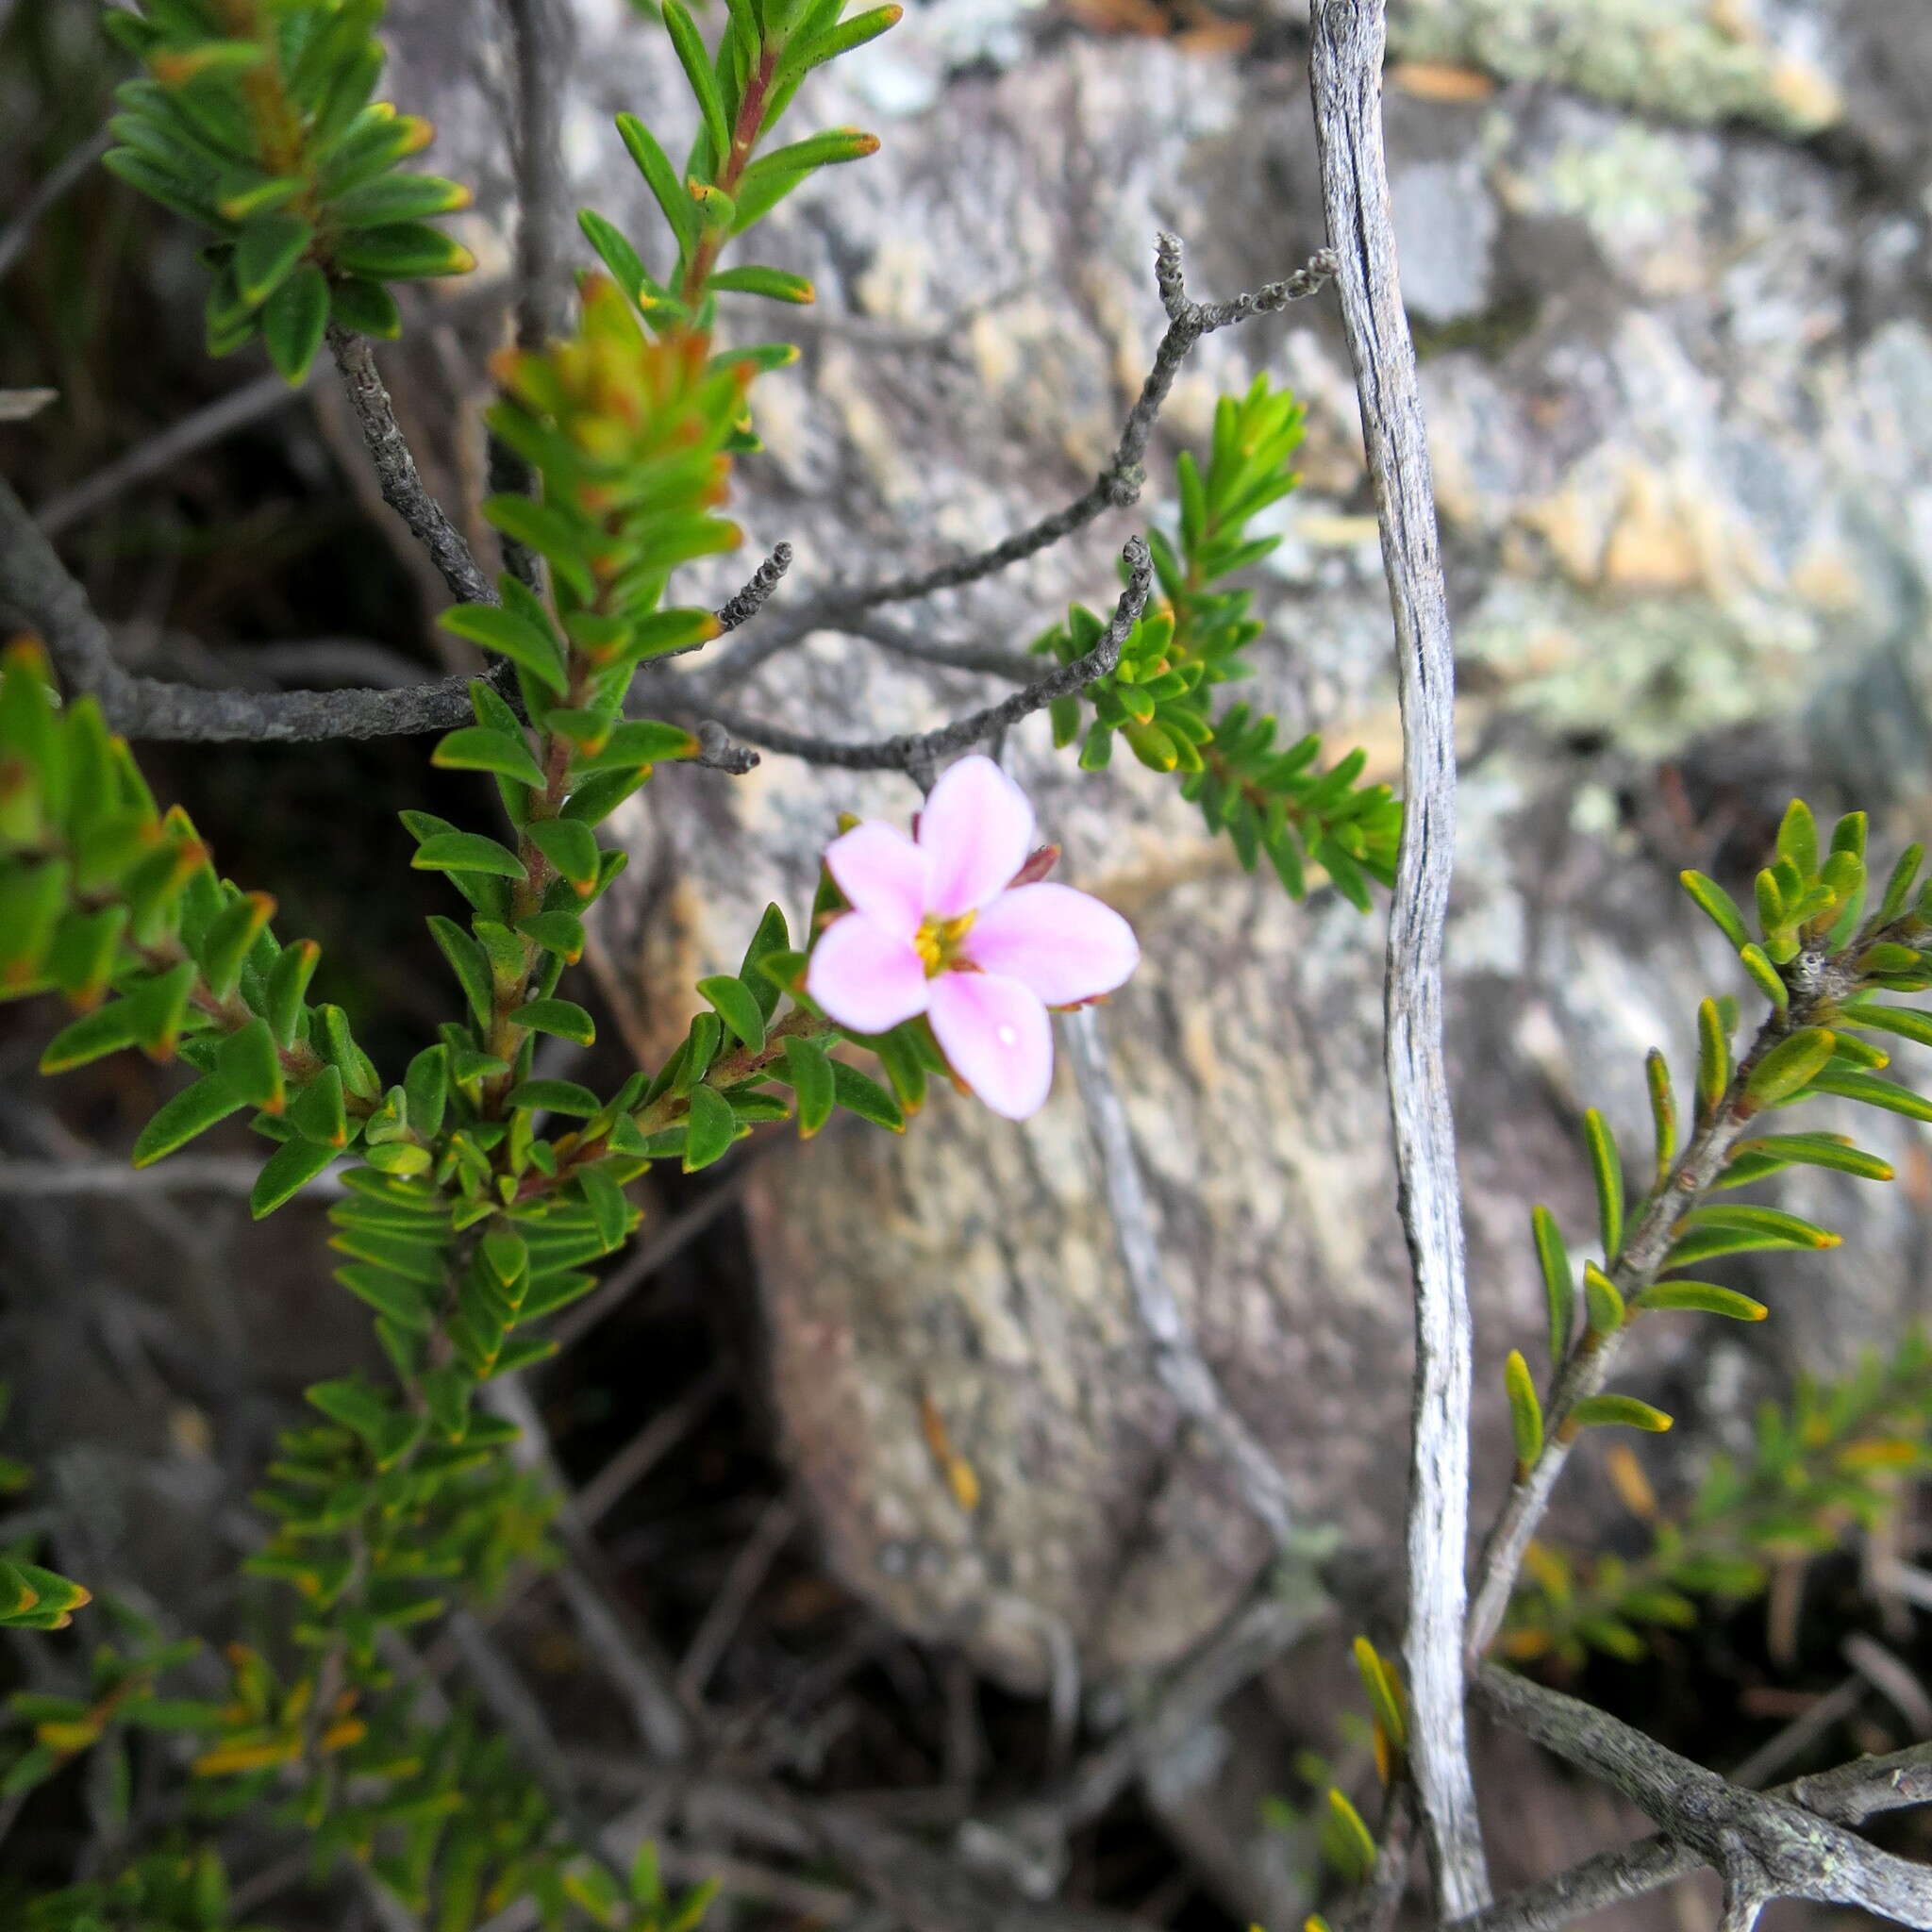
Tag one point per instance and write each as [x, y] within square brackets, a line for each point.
[938, 941]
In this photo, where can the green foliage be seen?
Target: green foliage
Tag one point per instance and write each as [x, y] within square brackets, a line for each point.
[256, 118]
[31, 1598]
[740, 92]
[1160, 699]
[177, 1888]
[1836, 1459]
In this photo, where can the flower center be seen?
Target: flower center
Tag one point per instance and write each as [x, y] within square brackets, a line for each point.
[938, 941]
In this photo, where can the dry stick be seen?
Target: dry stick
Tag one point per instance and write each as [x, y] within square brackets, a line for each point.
[53, 185]
[916, 754]
[186, 1173]
[1345, 74]
[253, 400]
[1764, 1845]
[748, 1569]
[1177, 1359]
[1117, 487]
[646, 1449]
[395, 470]
[35, 583]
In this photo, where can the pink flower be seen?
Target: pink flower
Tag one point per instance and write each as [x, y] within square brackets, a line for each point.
[940, 927]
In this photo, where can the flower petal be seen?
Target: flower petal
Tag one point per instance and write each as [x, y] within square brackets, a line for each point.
[1061, 945]
[997, 1037]
[883, 874]
[866, 977]
[976, 830]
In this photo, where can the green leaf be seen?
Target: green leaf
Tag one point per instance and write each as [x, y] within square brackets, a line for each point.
[554, 537]
[866, 1098]
[266, 252]
[510, 636]
[1598, 1410]
[469, 962]
[106, 1030]
[1705, 1297]
[1603, 1302]
[1717, 904]
[1714, 1057]
[1664, 1111]
[1873, 1091]
[391, 1295]
[660, 177]
[350, 1400]
[402, 250]
[561, 933]
[396, 198]
[248, 1064]
[1766, 979]
[286, 1173]
[1814, 1150]
[475, 748]
[1560, 1283]
[1797, 838]
[1526, 1412]
[737, 1007]
[809, 1070]
[563, 1017]
[318, 1112]
[606, 1201]
[619, 256]
[365, 309]
[293, 320]
[1607, 1171]
[709, 1129]
[287, 985]
[1788, 1067]
[571, 846]
[846, 36]
[773, 283]
[1906, 1021]
[698, 70]
[467, 852]
[556, 1096]
[192, 1111]
[226, 945]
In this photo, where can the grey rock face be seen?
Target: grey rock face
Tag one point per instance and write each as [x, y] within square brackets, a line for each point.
[1669, 270]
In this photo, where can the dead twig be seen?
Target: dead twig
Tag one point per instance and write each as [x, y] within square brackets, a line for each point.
[1345, 76]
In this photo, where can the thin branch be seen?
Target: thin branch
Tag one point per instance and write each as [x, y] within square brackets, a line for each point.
[748, 1570]
[161, 452]
[1819, 985]
[747, 605]
[1178, 1359]
[1117, 487]
[185, 1174]
[51, 186]
[35, 584]
[1764, 1845]
[395, 470]
[646, 1449]
[1017, 667]
[918, 753]
[1345, 74]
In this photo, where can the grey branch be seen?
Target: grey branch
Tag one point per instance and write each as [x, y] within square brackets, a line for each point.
[1345, 74]
[1117, 487]
[35, 586]
[196, 430]
[917, 754]
[1177, 1359]
[1788, 1844]
[57, 180]
[752, 599]
[395, 470]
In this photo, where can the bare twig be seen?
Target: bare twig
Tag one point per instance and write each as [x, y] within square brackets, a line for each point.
[1177, 1359]
[35, 584]
[51, 187]
[1345, 74]
[748, 602]
[748, 1569]
[646, 1449]
[918, 753]
[162, 451]
[1798, 1736]
[395, 470]
[1117, 487]
[185, 1174]
[1766, 1847]
[1889, 1674]
[1017, 667]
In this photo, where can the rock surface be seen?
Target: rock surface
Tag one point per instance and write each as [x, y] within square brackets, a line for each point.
[1668, 266]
